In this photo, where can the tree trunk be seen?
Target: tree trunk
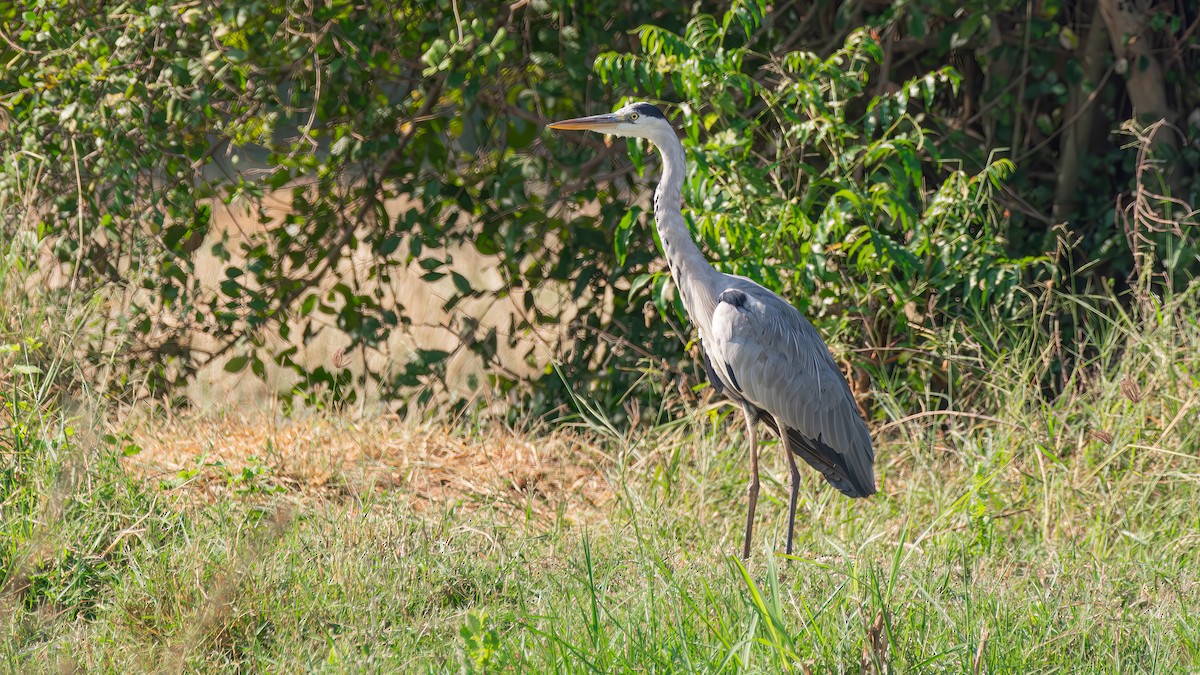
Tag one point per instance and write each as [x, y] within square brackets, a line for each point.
[1126, 21]
[1080, 113]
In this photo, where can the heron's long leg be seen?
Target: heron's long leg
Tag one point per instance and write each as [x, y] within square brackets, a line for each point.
[752, 434]
[787, 447]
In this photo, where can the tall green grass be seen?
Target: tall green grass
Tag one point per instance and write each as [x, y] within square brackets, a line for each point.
[1029, 533]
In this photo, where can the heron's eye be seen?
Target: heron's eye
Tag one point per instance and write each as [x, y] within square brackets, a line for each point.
[633, 117]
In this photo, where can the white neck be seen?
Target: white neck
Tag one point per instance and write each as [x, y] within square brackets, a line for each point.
[694, 277]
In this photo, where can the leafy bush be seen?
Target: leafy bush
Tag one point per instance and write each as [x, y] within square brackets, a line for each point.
[806, 183]
[824, 166]
[125, 124]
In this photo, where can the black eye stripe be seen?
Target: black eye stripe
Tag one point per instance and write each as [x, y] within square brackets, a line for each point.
[648, 110]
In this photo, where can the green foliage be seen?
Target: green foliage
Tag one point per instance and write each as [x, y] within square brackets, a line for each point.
[1035, 76]
[805, 182]
[129, 125]
[481, 644]
[836, 157]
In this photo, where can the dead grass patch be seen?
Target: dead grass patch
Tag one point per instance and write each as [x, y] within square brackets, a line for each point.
[324, 457]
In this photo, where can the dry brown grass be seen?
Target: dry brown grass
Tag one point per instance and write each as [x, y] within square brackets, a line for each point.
[323, 457]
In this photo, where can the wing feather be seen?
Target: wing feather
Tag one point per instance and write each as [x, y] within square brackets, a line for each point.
[784, 369]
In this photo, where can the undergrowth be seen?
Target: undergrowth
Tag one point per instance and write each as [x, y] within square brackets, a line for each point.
[1014, 531]
[1036, 513]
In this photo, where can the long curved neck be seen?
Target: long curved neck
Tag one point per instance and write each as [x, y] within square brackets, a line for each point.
[694, 276]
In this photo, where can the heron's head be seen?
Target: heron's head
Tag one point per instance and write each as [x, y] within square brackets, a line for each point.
[639, 120]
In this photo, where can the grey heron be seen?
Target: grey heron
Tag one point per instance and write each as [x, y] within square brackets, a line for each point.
[759, 350]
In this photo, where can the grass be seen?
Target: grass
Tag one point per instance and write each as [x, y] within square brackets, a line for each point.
[1031, 533]
[136, 577]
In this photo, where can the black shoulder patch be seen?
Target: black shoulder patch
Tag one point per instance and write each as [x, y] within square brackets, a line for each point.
[733, 296]
[648, 110]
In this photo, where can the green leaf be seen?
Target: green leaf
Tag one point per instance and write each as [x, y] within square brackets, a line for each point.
[461, 284]
[639, 282]
[624, 230]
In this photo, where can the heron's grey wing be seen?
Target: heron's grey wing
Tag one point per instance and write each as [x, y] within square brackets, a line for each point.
[769, 355]
[713, 378]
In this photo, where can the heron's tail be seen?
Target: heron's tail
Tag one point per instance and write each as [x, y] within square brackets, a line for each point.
[832, 465]
[828, 461]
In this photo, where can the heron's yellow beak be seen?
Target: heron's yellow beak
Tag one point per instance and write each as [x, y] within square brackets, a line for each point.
[602, 123]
